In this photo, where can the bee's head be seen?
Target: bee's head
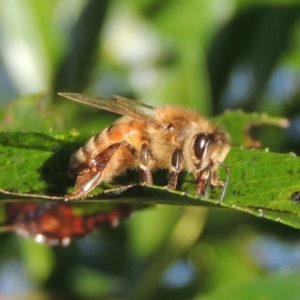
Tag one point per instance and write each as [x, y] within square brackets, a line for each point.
[209, 147]
[201, 144]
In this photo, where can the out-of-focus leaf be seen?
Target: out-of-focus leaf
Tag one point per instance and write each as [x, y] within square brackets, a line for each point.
[250, 3]
[178, 242]
[28, 27]
[239, 123]
[39, 260]
[90, 283]
[276, 287]
[31, 113]
[255, 38]
[76, 68]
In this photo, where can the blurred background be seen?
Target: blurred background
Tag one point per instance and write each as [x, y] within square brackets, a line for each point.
[209, 55]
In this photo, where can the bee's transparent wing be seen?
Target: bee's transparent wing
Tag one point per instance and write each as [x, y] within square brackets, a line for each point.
[118, 105]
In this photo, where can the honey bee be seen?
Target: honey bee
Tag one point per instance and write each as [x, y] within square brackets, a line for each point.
[147, 138]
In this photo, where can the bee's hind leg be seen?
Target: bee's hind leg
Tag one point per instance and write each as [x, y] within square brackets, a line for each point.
[90, 176]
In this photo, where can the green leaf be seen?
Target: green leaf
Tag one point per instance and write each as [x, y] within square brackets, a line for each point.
[276, 287]
[239, 123]
[29, 161]
[261, 182]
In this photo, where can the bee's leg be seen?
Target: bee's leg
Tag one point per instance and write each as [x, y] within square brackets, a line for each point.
[145, 174]
[173, 175]
[204, 179]
[90, 176]
[212, 179]
[201, 181]
[207, 177]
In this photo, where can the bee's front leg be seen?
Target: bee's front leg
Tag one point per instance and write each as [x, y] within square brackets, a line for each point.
[209, 176]
[201, 182]
[90, 176]
[176, 168]
[203, 179]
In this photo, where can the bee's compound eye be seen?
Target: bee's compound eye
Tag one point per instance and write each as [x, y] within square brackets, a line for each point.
[201, 143]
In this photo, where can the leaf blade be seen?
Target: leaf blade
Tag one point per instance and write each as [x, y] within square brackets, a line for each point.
[261, 182]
